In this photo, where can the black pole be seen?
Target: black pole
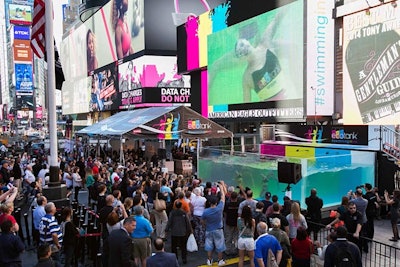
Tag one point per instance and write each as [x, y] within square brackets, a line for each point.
[17, 217]
[98, 260]
[28, 236]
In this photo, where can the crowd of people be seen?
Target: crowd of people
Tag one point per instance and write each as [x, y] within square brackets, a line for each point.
[139, 207]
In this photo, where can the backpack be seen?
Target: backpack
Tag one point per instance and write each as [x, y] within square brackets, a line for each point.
[344, 258]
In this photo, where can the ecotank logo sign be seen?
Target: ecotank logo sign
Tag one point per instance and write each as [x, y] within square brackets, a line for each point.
[350, 135]
[21, 33]
[197, 125]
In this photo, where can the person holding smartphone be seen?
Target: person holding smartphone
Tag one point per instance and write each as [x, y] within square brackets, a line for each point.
[394, 203]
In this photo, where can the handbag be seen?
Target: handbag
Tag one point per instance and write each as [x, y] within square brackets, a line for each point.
[271, 259]
[191, 244]
[159, 204]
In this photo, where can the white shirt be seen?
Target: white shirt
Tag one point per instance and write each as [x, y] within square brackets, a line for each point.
[68, 179]
[42, 175]
[76, 180]
[198, 203]
[29, 177]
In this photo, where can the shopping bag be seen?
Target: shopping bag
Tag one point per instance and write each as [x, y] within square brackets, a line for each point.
[191, 244]
[271, 259]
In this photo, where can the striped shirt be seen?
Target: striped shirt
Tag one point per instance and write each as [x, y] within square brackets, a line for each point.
[47, 226]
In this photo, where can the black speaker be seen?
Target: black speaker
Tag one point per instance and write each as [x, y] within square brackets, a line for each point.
[289, 173]
[162, 153]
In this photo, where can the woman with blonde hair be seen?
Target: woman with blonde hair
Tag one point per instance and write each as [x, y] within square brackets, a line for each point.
[128, 204]
[7, 209]
[295, 219]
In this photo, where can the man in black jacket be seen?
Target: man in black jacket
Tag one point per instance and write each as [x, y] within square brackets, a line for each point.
[181, 228]
[118, 245]
[161, 258]
[314, 206]
[332, 257]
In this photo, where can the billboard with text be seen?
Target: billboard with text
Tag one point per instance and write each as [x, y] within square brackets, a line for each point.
[371, 63]
[23, 79]
[152, 79]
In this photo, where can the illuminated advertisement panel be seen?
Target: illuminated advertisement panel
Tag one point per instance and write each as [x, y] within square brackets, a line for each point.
[320, 58]
[258, 64]
[76, 96]
[21, 32]
[103, 39]
[22, 50]
[317, 134]
[155, 82]
[20, 14]
[104, 94]
[23, 79]
[25, 101]
[371, 63]
[74, 65]
[161, 33]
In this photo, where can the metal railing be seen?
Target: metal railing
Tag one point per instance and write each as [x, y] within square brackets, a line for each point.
[379, 254]
[390, 141]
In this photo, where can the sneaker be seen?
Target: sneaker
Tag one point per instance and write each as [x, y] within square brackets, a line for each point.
[209, 262]
[394, 239]
[221, 263]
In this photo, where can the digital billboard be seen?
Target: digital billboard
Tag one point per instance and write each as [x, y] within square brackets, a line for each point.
[23, 79]
[256, 62]
[320, 58]
[108, 36]
[371, 63]
[25, 101]
[20, 14]
[161, 32]
[140, 78]
[104, 94]
[76, 96]
[22, 50]
[21, 32]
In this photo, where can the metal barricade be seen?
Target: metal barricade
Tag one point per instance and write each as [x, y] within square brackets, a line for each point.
[379, 254]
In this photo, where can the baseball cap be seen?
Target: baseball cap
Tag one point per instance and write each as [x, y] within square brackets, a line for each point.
[268, 194]
[121, 167]
[213, 190]
[4, 161]
[116, 179]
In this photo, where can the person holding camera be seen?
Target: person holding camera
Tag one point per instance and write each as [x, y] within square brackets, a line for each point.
[212, 218]
[394, 203]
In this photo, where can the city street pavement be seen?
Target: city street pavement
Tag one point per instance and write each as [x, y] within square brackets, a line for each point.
[383, 233]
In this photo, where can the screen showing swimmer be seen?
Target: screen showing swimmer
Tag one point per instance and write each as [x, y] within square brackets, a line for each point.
[260, 59]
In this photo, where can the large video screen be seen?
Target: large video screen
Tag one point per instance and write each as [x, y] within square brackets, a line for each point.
[20, 14]
[371, 64]
[111, 34]
[137, 76]
[23, 79]
[257, 60]
[104, 93]
[76, 96]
